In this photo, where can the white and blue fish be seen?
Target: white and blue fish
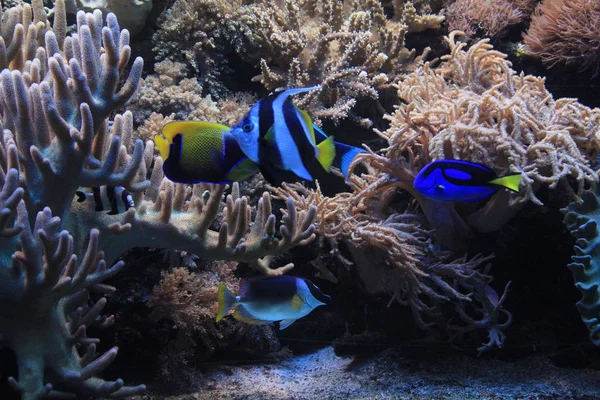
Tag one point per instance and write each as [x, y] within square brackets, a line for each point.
[267, 299]
[114, 199]
[280, 137]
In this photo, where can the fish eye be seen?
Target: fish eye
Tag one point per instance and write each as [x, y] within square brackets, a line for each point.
[248, 127]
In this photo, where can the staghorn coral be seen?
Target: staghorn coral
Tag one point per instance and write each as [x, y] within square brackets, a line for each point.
[565, 32]
[349, 48]
[169, 92]
[475, 107]
[57, 137]
[394, 254]
[493, 17]
[192, 32]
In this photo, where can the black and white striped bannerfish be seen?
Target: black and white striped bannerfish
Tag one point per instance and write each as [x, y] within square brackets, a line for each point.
[279, 137]
[115, 199]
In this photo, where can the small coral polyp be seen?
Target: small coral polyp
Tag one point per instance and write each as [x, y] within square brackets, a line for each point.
[56, 96]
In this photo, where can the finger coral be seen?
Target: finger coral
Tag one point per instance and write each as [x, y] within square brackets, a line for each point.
[57, 98]
[565, 32]
[474, 107]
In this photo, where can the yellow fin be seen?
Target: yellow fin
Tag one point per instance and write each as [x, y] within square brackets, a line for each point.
[241, 314]
[297, 303]
[511, 182]
[308, 123]
[270, 135]
[244, 170]
[192, 127]
[226, 301]
[326, 150]
[163, 146]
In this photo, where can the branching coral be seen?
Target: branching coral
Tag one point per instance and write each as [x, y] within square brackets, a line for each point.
[55, 250]
[169, 92]
[192, 32]
[565, 32]
[349, 48]
[475, 107]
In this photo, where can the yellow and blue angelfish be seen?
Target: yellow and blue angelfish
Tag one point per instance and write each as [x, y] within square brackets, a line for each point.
[195, 152]
[279, 136]
[461, 181]
[267, 299]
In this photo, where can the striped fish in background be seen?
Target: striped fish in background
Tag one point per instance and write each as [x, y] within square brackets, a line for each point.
[114, 199]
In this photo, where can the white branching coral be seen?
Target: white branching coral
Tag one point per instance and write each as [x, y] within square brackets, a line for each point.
[55, 104]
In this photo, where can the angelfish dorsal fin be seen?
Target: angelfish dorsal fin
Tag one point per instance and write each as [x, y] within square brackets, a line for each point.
[162, 145]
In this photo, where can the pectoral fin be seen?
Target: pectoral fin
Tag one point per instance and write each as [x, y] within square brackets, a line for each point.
[241, 314]
[242, 171]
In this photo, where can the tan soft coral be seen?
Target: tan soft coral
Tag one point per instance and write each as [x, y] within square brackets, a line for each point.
[493, 17]
[474, 107]
[566, 32]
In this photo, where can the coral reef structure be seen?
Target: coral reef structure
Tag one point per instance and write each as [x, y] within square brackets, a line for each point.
[475, 107]
[58, 94]
[581, 218]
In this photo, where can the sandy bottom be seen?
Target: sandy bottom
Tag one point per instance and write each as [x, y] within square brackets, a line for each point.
[323, 375]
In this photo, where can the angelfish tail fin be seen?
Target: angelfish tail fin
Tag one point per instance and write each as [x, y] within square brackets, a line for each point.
[226, 301]
[326, 153]
[511, 182]
[344, 156]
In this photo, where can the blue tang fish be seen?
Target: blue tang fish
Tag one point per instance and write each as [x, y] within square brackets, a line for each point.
[267, 299]
[279, 136]
[205, 152]
[464, 181]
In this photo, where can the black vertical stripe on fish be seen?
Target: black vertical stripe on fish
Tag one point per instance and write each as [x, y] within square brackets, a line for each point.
[81, 197]
[266, 116]
[171, 164]
[112, 200]
[97, 198]
[298, 132]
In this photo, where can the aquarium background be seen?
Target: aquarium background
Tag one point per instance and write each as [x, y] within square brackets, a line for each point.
[497, 298]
